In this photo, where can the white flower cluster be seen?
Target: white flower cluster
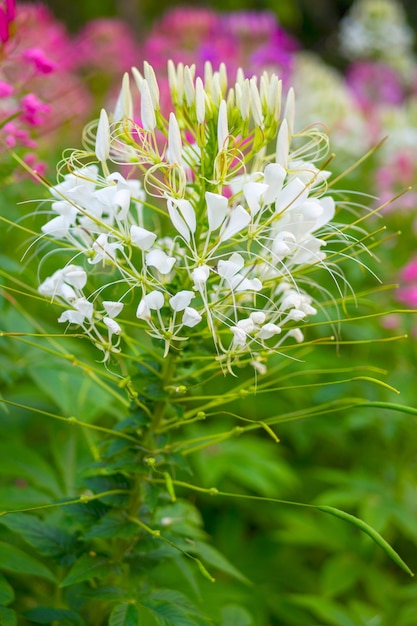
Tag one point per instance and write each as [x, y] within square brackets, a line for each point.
[378, 29]
[209, 231]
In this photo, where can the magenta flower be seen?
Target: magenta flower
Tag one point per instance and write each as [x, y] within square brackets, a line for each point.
[7, 15]
[373, 83]
[251, 40]
[39, 90]
[33, 109]
[107, 46]
[40, 61]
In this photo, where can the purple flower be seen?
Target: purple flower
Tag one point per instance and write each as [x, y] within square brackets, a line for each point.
[374, 83]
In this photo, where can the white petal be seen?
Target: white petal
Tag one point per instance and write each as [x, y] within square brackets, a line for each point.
[73, 317]
[188, 213]
[292, 195]
[283, 145]
[155, 300]
[57, 227]
[256, 105]
[237, 221]
[181, 300]
[66, 292]
[161, 261]
[240, 336]
[328, 205]
[114, 328]
[122, 200]
[289, 112]
[182, 217]
[102, 147]
[85, 307]
[216, 209]
[124, 104]
[227, 269]
[222, 127]
[141, 237]
[75, 276]
[104, 249]
[191, 317]
[152, 83]
[258, 317]
[268, 331]
[147, 111]
[174, 141]
[143, 311]
[200, 276]
[200, 102]
[297, 334]
[112, 308]
[246, 324]
[274, 178]
[253, 193]
[240, 283]
[189, 88]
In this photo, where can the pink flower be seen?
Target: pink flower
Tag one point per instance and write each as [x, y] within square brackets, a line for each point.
[7, 15]
[6, 89]
[107, 45]
[373, 83]
[40, 61]
[33, 109]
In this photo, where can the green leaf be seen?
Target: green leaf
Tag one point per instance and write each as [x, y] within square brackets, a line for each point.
[169, 614]
[389, 550]
[113, 524]
[107, 593]
[86, 568]
[48, 540]
[99, 484]
[324, 609]
[125, 614]
[6, 591]
[47, 615]
[235, 616]
[71, 390]
[16, 461]
[173, 608]
[12, 497]
[8, 617]
[339, 574]
[13, 559]
[214, 558]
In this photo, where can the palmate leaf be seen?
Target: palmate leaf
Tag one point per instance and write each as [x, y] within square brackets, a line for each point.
[172, 608]
[8, 617]
[13, 497]
[71, 390]
[234, 615]
[168, 614]
[324, 609]
[13, 559]
[48, 615]
[87, 567]
[125, 614]
[112, 524]
[214, 558]
[6, 591]
[48, 540]
[23, 462]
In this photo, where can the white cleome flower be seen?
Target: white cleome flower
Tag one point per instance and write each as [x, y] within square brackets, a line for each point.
[218, 209]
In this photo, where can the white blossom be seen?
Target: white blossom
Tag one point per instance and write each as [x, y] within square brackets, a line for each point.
[208, 216]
